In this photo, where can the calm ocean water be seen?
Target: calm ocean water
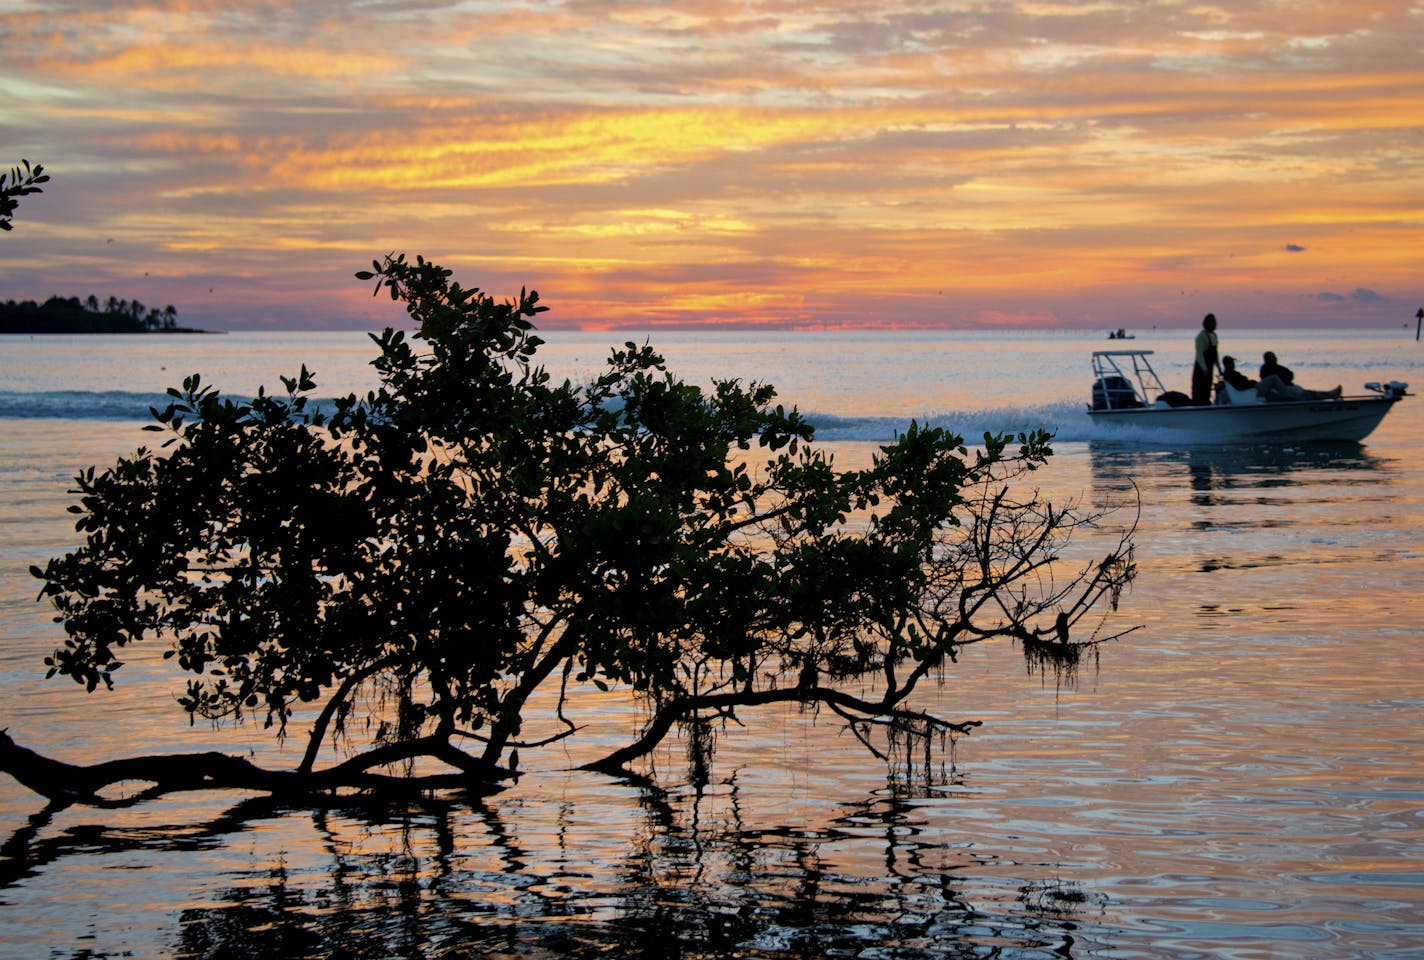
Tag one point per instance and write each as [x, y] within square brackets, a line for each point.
[1241, 778]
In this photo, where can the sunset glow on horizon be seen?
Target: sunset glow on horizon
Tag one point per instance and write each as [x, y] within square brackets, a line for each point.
[773, 164]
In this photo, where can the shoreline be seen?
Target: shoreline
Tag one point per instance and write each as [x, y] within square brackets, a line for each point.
[110, 333]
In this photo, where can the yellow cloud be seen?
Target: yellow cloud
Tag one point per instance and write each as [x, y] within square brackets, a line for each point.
[462, 151]
[870, 156]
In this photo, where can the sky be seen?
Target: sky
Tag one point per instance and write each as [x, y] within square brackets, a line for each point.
[783, 164]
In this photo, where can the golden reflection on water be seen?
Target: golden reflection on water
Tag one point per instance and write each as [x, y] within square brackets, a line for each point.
[1241, 778]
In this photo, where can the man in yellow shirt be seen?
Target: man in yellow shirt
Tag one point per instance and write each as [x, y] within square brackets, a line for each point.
[1204, 371]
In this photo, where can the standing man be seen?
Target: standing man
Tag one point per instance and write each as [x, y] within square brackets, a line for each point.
[1207, 365]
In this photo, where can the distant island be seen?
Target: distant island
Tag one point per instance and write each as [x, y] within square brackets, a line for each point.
[72, 315]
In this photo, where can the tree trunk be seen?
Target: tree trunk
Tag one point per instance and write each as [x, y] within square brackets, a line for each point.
[73, 783]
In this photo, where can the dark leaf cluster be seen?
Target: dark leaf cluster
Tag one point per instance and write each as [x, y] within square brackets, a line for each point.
[21, 181]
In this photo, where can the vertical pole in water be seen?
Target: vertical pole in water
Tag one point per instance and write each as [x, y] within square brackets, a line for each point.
[1418, 322]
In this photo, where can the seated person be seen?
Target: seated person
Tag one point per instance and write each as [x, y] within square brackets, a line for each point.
[1270, 388]
[1287, 390]
[1235, 377]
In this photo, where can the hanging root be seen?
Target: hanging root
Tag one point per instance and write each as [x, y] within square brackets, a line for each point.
[1062, 660]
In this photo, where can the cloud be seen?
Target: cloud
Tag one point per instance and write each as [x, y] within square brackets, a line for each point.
[1359, 295]
[817, 160]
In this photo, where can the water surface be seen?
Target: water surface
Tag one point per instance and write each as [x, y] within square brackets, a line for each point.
[1240, 778]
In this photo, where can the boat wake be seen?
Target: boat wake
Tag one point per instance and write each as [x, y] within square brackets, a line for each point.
[109, 405]
[1066, 420]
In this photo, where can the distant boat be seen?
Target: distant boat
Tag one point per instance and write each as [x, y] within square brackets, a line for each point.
[1120, 334]
[1128, 396]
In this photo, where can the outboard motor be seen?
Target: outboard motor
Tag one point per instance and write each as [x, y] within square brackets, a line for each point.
[1390, 391]
[1114, 393]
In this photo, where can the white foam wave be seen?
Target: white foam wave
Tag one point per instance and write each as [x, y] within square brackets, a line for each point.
[1067, 421]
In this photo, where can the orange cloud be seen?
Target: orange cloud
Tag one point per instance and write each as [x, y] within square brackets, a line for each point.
[824, 165]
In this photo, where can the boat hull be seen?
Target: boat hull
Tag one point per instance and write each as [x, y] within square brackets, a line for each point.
[1345, 419]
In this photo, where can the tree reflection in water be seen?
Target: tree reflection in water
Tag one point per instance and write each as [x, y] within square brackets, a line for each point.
[449, 879]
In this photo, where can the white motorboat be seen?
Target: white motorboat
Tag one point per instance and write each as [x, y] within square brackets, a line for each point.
[1129, 399]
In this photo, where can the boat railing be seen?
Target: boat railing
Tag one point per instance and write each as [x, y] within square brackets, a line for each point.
[1124, 379]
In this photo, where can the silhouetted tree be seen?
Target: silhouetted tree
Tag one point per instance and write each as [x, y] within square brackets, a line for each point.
[466, 549]
[21, 181]
[72, 315]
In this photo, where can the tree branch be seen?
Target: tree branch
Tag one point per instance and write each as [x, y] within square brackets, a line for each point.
[319, 727]
[671, 713]
[74, 783]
